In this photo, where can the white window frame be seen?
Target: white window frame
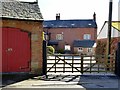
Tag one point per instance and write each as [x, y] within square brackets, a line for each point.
[90, 50]
[67, 47]
[80, 49]
[59, 36]
[87, 36]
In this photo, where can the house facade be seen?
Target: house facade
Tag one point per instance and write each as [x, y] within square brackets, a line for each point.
[63, 33]
[84, 47]
[21, 29]
[103, 35]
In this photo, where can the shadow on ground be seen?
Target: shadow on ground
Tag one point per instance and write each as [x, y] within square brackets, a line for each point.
[53, 82]
[88, 81]
[99, 81]
[8, 79]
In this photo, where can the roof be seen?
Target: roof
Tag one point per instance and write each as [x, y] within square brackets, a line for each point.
[77, 23]
[84, 43]
[20, 10]
[53, 42]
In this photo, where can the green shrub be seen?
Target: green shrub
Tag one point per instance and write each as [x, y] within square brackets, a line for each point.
[50, 50]
[61, 51]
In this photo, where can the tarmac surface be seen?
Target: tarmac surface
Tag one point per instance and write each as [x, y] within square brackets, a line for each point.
[80, 82]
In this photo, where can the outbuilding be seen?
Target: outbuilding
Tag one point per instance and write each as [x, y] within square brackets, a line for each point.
[21, 29]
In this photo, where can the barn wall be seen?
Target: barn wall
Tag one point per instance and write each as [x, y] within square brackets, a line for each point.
[35, 28]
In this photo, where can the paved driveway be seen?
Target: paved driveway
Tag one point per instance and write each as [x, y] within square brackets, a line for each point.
[84, 82]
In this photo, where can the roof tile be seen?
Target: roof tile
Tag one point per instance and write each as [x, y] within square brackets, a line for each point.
[79, 23]
[84, 43]
[21, 10]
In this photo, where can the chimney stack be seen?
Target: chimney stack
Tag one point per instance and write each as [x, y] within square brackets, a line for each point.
[58, 16]
[94, 16]
[37, 1]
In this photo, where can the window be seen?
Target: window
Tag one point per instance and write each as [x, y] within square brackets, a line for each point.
[89, 49]
[59, 37]
[67, 47]
[80, 49]
[87, 36]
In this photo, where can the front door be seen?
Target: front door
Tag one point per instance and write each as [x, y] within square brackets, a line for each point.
[15, 50]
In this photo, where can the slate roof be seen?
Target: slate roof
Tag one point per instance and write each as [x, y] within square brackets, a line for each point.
[77, 23]
[53, 42]
[20, 10]
[84, 43]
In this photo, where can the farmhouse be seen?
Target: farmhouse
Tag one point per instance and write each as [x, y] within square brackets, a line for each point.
[65, 34]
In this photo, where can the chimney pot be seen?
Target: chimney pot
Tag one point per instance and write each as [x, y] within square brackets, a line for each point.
[36, 1]
[94, 16]
[58, 16]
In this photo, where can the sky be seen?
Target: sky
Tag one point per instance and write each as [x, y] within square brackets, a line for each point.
[78, 9]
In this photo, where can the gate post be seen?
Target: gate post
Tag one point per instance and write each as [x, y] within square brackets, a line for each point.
[117, 61]
[44, 69]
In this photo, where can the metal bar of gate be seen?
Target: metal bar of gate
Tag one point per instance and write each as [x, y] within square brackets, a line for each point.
[90, 63]
[93, 64]
[63, 61]
[64, 65]
[82, 64]
[72, 63]
[55, 64]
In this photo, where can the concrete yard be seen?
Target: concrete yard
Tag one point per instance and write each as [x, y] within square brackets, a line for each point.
[84, 82]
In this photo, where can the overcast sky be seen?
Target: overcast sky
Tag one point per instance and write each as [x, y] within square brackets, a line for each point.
[78, 9]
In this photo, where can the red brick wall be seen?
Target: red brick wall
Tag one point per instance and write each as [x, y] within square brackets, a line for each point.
[102, 45]
[36, 29]
[71, 34]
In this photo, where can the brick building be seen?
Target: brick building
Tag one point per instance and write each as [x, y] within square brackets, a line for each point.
[63, 33]
[21, 29]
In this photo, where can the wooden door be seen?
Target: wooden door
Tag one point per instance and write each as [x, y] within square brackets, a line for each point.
[15, 50]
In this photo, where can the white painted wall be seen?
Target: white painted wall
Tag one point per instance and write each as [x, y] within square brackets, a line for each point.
[104, 32]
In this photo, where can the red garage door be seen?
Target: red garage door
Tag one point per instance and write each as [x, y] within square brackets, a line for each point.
[15, 50]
